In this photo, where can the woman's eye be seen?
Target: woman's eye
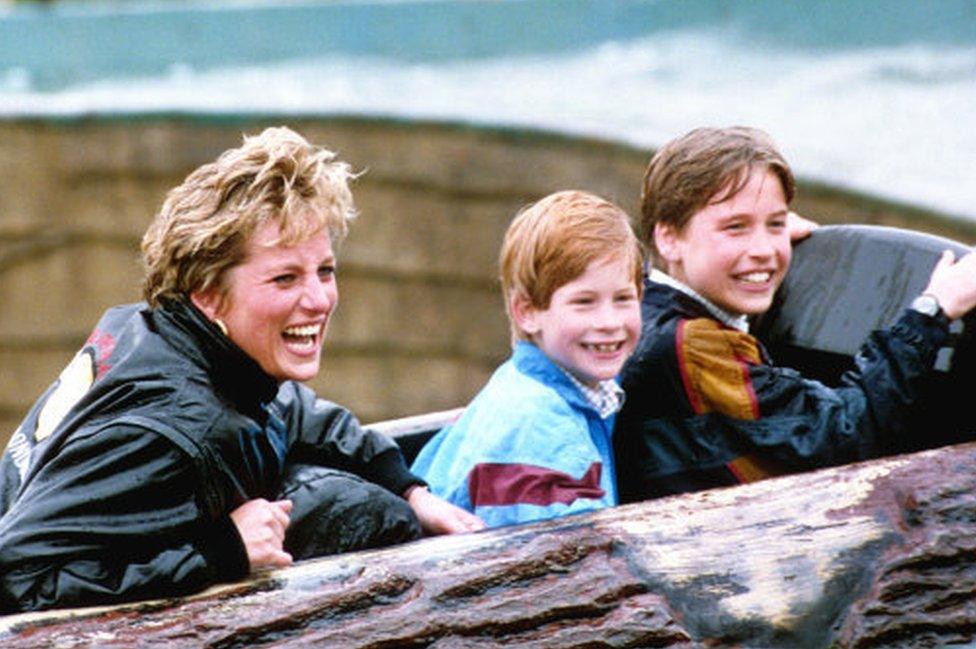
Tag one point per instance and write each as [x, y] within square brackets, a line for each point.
[284, 279]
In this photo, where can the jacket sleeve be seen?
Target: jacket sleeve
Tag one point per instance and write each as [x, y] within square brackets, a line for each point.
[114, 516]
[510, 469]
[800, 422]
[326, 434]
[507, 493]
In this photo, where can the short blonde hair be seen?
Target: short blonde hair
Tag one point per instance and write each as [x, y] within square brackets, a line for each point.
[704, 166]
[203, 226]
[551, 242]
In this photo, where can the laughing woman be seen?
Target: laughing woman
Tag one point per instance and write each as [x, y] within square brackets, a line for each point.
[178, 448]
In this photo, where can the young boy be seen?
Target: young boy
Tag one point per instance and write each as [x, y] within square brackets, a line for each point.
[705, 407]
[535, 443]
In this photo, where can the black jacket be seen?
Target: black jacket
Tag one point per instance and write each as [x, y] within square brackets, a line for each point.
[707, 408]
[119, 483]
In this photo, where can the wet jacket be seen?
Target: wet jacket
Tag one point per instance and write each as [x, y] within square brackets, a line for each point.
[707, 408]
[528, 447]
[119, 483]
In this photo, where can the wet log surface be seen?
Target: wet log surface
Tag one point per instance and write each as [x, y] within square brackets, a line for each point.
[879, 554]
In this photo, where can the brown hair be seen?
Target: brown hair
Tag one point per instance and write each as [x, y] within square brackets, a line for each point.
[203, 226]
[552, 241]
[704, 166]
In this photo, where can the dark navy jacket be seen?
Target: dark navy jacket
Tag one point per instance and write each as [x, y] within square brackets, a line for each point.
[707, 408]
[119, 483]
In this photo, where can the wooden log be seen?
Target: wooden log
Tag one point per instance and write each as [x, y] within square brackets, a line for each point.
[877, 554]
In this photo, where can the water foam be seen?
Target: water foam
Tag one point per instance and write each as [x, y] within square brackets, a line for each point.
[893, 121]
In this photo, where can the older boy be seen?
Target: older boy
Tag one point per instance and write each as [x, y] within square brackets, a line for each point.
[535, 443]
[705, 405]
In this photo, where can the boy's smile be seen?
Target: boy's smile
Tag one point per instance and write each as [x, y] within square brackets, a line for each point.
[592, 323]
[734, 253]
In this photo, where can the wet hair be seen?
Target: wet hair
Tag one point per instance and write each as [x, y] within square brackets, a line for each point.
[702, 167]
[551, 242]
[203, 227]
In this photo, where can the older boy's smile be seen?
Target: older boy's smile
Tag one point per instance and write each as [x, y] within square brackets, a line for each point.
[756, 278]
[735, 252]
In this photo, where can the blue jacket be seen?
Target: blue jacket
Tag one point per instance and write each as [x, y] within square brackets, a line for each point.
[528, 447]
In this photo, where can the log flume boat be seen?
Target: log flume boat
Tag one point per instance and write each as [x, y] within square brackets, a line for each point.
[875, 554]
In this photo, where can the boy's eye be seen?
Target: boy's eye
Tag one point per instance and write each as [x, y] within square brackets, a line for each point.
[734, 226]
[326, 271]
[777, 224]
[284, 279]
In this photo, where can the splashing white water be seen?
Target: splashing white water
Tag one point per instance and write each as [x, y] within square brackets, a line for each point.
[898, 122]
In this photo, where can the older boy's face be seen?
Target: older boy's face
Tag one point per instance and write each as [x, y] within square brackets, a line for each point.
[592, 323]
[734, 253]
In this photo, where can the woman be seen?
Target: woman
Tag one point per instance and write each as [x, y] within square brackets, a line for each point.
[178, 448]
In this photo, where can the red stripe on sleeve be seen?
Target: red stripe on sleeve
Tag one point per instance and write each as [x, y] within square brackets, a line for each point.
[510, 484]
[679, 343]
[747, 385]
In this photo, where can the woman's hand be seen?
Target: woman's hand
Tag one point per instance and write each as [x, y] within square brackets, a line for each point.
[262, 525]
[798, 227]
[437, 516]
[953, 284]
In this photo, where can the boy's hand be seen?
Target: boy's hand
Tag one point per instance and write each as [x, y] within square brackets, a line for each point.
[953, 284]
[262, 525]
[437, 516]
[798, 227]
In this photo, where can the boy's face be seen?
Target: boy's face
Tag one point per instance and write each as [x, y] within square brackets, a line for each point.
[592, 323]
[734, 253]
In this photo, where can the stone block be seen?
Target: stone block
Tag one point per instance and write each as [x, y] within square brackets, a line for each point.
[62, 291]
[384, 386]
[417, 316]
[426, 231]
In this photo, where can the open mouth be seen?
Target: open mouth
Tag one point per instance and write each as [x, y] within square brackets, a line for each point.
[604, 348]
[302, 338]
[758, 277]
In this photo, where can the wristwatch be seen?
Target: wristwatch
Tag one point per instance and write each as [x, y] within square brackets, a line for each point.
[927, 305]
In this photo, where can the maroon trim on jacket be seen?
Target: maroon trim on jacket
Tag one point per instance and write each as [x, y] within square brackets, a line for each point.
[509, 484]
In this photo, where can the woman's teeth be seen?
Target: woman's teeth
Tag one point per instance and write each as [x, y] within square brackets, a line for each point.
[304, 335]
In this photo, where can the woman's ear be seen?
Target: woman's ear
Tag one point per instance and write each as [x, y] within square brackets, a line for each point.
[209, 302]
[524, 314]
[666, 242]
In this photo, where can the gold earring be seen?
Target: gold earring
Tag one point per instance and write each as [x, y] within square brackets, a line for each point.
[220, 325]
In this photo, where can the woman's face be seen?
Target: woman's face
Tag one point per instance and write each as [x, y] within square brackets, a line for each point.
[278, 302]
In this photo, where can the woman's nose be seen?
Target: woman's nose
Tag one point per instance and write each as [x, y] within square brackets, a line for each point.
[319, 296]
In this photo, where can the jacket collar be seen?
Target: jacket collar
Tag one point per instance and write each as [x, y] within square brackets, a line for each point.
[233, 372]
[733, 321]
[531, 361]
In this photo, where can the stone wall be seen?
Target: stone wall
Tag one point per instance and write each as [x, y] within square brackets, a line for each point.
[420, 326]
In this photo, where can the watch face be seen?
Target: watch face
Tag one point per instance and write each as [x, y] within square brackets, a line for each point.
[926, 304]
